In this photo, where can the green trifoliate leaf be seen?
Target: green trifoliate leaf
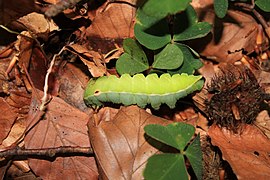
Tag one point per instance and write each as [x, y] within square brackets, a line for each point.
[171, 57]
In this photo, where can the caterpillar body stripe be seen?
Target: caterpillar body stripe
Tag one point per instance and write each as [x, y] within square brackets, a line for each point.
[141, 90]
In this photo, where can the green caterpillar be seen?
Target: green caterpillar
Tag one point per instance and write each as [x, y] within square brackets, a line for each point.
[141, 90]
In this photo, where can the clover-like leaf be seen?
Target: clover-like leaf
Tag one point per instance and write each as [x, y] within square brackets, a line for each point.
[221, 7]
[171, 57]
[195, 31]
[186, 26]
[150, 31]
[191, 61]
[133, 60]
[176, 135]
[194, 155]
[161, 9]
[263, 4]
[165, 166]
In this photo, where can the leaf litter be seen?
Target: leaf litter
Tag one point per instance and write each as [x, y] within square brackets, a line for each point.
[116, 136]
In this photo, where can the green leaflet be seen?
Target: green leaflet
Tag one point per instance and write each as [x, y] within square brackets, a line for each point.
[141, 90]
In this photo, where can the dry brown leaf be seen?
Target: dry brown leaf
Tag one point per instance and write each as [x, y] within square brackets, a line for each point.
[30, 56]
[24, 47]
[229, 36]
[20, 101]
[62, 125]
[264, 80]
[38, 67]
[38, 24]
[201, 4]
[115, 22]
[51, 1]
[72, 86]
[16, 133]
[7, 118]
[111, 25]
[95, 66]
[15, 173]
[187, 115]
[119, 144]
[247, 153]
[4, 83]
[13, 9]
[263, 122]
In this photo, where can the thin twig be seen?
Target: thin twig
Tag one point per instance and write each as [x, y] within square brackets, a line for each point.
[50, 152]
[45, 98]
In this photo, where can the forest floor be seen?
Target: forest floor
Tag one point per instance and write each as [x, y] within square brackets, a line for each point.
[47, 131]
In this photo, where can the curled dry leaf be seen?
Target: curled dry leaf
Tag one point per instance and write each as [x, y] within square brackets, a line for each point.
[61, 125]
[16, 133]
[4, 83]
[29, 56]
[230, 35]
[187, 115]
[38, 67]
[247, 153]
[91, 59]
[7, 118]
[201, 4]
[120, 145]
[38, 24]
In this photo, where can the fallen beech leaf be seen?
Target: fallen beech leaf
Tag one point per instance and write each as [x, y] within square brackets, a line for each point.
[13, 9]
[7, 118]
[187, 115]
[51, 1]
[247, 153]
[38, 24]
[24, 47]
[38, 67]
[16, 133]
[62, 125]
[114, 22]
[111, 25]
[264, 80]
[4, 83]
[20, 100]
[263, 122]
[120, 145]
[94, 63]
[201, 4]
[31, 57]
[72, 82]
[229, 36]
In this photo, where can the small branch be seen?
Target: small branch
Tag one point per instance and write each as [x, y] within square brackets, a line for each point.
[50, 152]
